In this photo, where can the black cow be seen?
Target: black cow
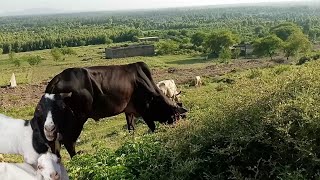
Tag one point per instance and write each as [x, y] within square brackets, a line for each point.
[104, 91]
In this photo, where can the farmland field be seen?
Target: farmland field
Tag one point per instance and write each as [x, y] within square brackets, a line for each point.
[256, 116]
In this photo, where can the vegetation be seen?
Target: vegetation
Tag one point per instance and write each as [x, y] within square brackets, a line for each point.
[263, 125]
[267, 46]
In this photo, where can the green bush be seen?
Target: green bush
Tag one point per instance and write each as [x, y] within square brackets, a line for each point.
[33, 60]
[67, 51]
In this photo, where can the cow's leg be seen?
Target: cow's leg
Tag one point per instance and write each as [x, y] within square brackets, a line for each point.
[130, 121]
[151, 125]
[70, 146]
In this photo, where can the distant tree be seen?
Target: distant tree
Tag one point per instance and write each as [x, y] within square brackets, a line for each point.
[267, 46]
[236, 53]
[297, 42]
[166, 47]
[284, 30]
[259, 31]
[225, 54]
[198, 38]
[1, 51]
[56, 54]
[218, 40]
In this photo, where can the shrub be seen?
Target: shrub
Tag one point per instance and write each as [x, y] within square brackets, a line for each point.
[67, 51]
[33, 60]
[56, 54]
[303, 60]
[166, 47]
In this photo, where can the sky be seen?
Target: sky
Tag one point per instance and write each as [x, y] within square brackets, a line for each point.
[98, 5]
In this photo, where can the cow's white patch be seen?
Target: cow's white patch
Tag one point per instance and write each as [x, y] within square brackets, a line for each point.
[49, 96]
[49, 127]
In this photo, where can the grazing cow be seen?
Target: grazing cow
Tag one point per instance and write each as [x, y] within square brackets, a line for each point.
[169, 88]
[49, 168]
[105, 91]
[198, 81]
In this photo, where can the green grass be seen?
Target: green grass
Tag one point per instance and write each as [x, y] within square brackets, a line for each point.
[263, 126]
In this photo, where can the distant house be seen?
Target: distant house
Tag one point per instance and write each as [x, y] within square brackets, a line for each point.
[245, 48]
[144, 39]
[130, 51]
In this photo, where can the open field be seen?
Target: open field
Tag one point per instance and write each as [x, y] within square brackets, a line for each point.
[21, 101]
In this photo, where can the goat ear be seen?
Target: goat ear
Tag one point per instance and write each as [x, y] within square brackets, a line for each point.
[65, 95]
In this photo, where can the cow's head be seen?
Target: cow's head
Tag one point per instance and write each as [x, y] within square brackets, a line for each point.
[164, 110]
[50, 113]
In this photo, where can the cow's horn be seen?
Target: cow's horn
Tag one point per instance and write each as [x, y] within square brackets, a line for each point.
[178, 93]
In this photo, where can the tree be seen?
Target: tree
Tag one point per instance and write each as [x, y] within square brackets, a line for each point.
[284, 30]
[267, 46]
[296, 43]
[225, 54]
[219, 40]
[1, 51]
[198, 38]
[56, 54]
[166, 47]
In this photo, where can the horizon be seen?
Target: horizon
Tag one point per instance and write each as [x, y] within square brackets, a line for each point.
[50, 8]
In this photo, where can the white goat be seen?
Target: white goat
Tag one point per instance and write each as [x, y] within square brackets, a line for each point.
[16, 138]
[198, 81]
[49, 168]
[169, 88]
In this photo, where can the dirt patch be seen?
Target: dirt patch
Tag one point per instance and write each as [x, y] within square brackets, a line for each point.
[182, 76]
[21, 96]
[26, 95]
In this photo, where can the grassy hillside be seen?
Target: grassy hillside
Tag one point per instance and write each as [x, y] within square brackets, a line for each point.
[264, 126]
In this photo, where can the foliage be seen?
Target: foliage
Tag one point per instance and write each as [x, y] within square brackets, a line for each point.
[218, 40]
[1, 51]
[267, 46]
[67, 51]
[33, 60]
[285, 30]
[133, 160]
[236, 53]
[166, 47]
[297, 42]
[198, 38]
[56, 54]
[225, 55]
[272, 135]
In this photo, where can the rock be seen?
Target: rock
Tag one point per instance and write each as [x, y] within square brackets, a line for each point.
[13, 82]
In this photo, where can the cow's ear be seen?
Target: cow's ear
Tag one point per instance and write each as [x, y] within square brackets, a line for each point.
[181, 110]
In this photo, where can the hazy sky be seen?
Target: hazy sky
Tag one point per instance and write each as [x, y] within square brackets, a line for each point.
[96, 5]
